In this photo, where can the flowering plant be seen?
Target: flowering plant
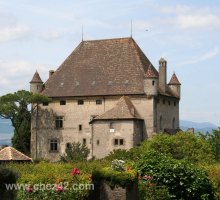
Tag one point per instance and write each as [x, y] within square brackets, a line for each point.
[118, 165]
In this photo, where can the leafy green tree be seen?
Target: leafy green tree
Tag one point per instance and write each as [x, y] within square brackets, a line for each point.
[182, 179]
[75, 152]
[16, 108]
[183, 145]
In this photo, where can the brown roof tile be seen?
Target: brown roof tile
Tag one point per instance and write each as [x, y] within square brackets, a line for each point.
[9, 153]
[174, 80]
[36, 78]
[151, 72]
[124, 109]
[100, 67]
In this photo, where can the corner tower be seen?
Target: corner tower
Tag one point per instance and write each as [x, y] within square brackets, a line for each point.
[151, 81]
[36, 84]
[174, 85]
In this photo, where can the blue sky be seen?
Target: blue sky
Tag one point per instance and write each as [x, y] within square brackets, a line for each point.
[41, 34]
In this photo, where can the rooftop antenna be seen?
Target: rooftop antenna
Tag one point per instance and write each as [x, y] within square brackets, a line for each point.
[131, 29]
[82, 32]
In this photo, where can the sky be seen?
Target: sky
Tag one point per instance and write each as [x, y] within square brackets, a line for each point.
[39, 35]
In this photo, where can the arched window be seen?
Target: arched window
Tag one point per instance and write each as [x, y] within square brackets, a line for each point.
[173, 123]
[161, 123]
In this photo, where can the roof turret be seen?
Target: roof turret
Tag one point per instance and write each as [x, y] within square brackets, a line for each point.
[36, 78]
[174, 80]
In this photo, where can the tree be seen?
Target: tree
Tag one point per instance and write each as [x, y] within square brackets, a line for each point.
[75, 152]
[15, 107]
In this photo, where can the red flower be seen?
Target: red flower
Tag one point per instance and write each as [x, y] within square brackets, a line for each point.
[147, 177]
[129, 168]
[29, 189]
[59, 188]
[75, 171]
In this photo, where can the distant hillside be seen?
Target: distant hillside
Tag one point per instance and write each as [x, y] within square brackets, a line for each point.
[199, 127]
[6, 132]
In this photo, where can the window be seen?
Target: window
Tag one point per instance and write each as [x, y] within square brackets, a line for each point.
[161, 123]
[153, 82]
[164, 101]
[112, 127]
[84, 141]
[174, 103]
[59, 122]
[118, 142]
[80, 102]
[68, 145]
[173, 123]
[98, 101]
[62, 102]
[53, 145]
[80, 127]
[45, 103]
[97, 142]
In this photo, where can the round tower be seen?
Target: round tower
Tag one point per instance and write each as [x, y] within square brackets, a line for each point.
[151, 81]
[175, 85]
[36, 84]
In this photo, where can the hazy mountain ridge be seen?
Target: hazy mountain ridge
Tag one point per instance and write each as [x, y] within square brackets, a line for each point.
[202, 127]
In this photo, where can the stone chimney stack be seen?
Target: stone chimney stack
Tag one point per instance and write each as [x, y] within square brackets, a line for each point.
[162, 74]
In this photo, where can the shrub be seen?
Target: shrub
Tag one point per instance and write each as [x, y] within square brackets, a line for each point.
[119, 154]
[7, 176]
[182, 179]
[186, 146]
[75, 152]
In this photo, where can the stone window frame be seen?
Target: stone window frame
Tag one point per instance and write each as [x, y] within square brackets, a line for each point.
[80, 102]
[118, 142]
[59, 122]
[54, 145]
[63, 102]
[98, 101]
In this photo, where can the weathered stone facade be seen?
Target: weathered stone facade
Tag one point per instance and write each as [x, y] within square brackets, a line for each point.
[103, 122]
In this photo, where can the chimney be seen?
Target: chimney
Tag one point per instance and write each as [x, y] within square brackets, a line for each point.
[162, 74]
[51, 72]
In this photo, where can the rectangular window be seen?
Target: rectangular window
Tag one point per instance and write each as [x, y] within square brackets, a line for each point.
[59, 122]
[174, 103]
[119, 142]
[80, 102]
[84, 141]
[112, 127]
[68, 145]
[53, 145]
[62, 103]
[80, 127]
[164, 101]
[97, 142]
[45, 103]
[98, 101]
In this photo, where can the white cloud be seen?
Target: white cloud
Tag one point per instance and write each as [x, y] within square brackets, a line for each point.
[50, 35]
[190, 21]
[206, 56]
[13, 32]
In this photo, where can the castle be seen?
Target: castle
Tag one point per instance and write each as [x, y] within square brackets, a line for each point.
[107, 95]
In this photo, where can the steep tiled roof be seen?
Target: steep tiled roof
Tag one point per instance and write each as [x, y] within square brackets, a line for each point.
[151, 72]
[174, 80]
[124, 109]
[9, 153]
[36, 78]
[100, 67]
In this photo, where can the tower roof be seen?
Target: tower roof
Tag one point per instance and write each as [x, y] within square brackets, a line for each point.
[9, 153]
[36, 78]
[162, 60]
[174, 80]
[124, 109]
[100, 67]
[151, 72]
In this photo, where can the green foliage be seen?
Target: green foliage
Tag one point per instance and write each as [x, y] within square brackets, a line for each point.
[113, 177]
[183, 145]
[15, 107]
[75, 152]
[182, 179]
[214, 176]
[119, 154]
[7, 176]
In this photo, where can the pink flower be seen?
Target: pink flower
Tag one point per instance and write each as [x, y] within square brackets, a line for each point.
[75, 171]
[147, 177]
[59, 188]
[29, 189]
